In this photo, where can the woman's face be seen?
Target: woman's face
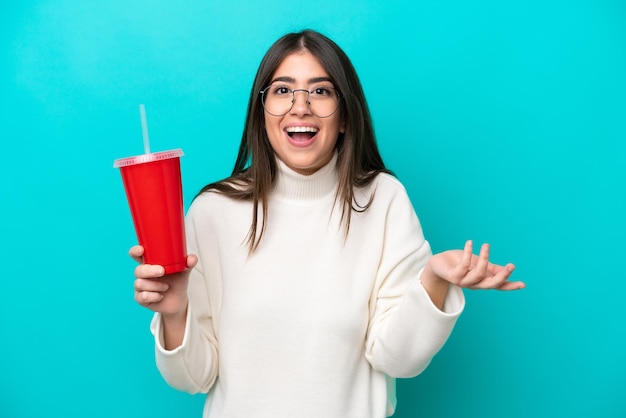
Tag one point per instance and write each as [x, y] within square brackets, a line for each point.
[303, 141]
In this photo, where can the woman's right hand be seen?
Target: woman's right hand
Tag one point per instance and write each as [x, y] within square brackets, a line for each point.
[158, 292]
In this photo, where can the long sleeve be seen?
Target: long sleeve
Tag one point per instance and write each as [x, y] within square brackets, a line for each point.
[193, 366]
[406, 329]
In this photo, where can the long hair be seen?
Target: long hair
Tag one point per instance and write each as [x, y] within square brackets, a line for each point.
[358, 160]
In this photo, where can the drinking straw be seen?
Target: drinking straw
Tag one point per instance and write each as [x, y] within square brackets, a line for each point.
[144, 128]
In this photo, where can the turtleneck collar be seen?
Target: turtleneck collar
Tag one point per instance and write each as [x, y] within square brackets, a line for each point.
[291, 185]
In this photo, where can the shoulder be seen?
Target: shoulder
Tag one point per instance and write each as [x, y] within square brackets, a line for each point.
[389, 182]
[384, 192]
[386, 187]
[214, 203]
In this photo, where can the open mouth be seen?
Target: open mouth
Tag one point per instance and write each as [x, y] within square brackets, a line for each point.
[301, 133]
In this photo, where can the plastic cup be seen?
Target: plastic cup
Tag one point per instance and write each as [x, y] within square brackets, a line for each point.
[155, 196]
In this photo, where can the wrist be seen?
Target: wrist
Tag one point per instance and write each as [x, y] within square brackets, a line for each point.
[176, 317]
[174, 329]
[435, 286]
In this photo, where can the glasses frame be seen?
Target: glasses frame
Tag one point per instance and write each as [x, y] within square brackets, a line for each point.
[293, 101]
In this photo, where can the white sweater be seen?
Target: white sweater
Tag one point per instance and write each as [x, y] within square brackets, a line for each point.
[311, 324]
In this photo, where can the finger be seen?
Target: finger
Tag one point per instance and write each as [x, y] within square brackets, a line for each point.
[466, 259]
[496, 281]
[146, 298]
[148, 271]
[136, 253]
[148, 285]
[483, 261]
[463, 266]
[493, 268]
[478, 271]
[508, 286]
[192, 260]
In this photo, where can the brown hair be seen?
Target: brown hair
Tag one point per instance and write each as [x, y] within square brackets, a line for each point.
[358, 161]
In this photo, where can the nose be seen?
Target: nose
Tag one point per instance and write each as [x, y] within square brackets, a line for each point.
[300, 106]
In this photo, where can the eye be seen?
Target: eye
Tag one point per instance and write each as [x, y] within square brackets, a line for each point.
[322, 91]
[280, 90]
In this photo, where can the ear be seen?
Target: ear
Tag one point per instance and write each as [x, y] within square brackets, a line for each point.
[342, 127]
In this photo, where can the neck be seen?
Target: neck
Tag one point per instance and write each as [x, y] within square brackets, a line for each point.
[291, 185]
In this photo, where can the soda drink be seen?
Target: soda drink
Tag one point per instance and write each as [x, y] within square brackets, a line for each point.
[153, 187]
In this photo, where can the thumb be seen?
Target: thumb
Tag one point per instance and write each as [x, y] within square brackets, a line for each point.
[192, 260]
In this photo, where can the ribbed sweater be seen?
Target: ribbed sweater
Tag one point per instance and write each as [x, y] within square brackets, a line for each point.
[313, 324]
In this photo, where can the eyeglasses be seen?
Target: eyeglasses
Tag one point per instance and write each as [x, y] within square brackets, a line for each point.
[323, 101]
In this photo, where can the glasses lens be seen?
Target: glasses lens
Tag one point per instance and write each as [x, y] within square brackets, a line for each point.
[322, 101]
[277, 100]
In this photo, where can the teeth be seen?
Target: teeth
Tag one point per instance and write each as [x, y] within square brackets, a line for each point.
[301, 129]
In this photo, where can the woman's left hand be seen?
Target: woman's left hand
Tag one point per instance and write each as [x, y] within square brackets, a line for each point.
[464, 269]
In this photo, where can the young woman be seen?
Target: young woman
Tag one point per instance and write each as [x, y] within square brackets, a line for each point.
[310, 285]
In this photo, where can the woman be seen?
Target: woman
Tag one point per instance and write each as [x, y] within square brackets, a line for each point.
[310, 286]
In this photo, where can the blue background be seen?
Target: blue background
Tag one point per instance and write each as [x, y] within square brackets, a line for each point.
[505, 121]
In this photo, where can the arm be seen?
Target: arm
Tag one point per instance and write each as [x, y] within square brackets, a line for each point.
[185, 341]
[406, 328]
[191, 366]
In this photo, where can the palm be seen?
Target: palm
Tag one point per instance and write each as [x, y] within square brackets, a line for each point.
[175, 297]
[464, 269]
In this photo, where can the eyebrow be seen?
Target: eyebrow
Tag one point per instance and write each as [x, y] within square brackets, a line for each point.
[288, 79]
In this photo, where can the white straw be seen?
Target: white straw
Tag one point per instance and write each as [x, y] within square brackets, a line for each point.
[144, 129]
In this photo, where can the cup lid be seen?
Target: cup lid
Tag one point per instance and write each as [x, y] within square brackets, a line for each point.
[148, 158]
